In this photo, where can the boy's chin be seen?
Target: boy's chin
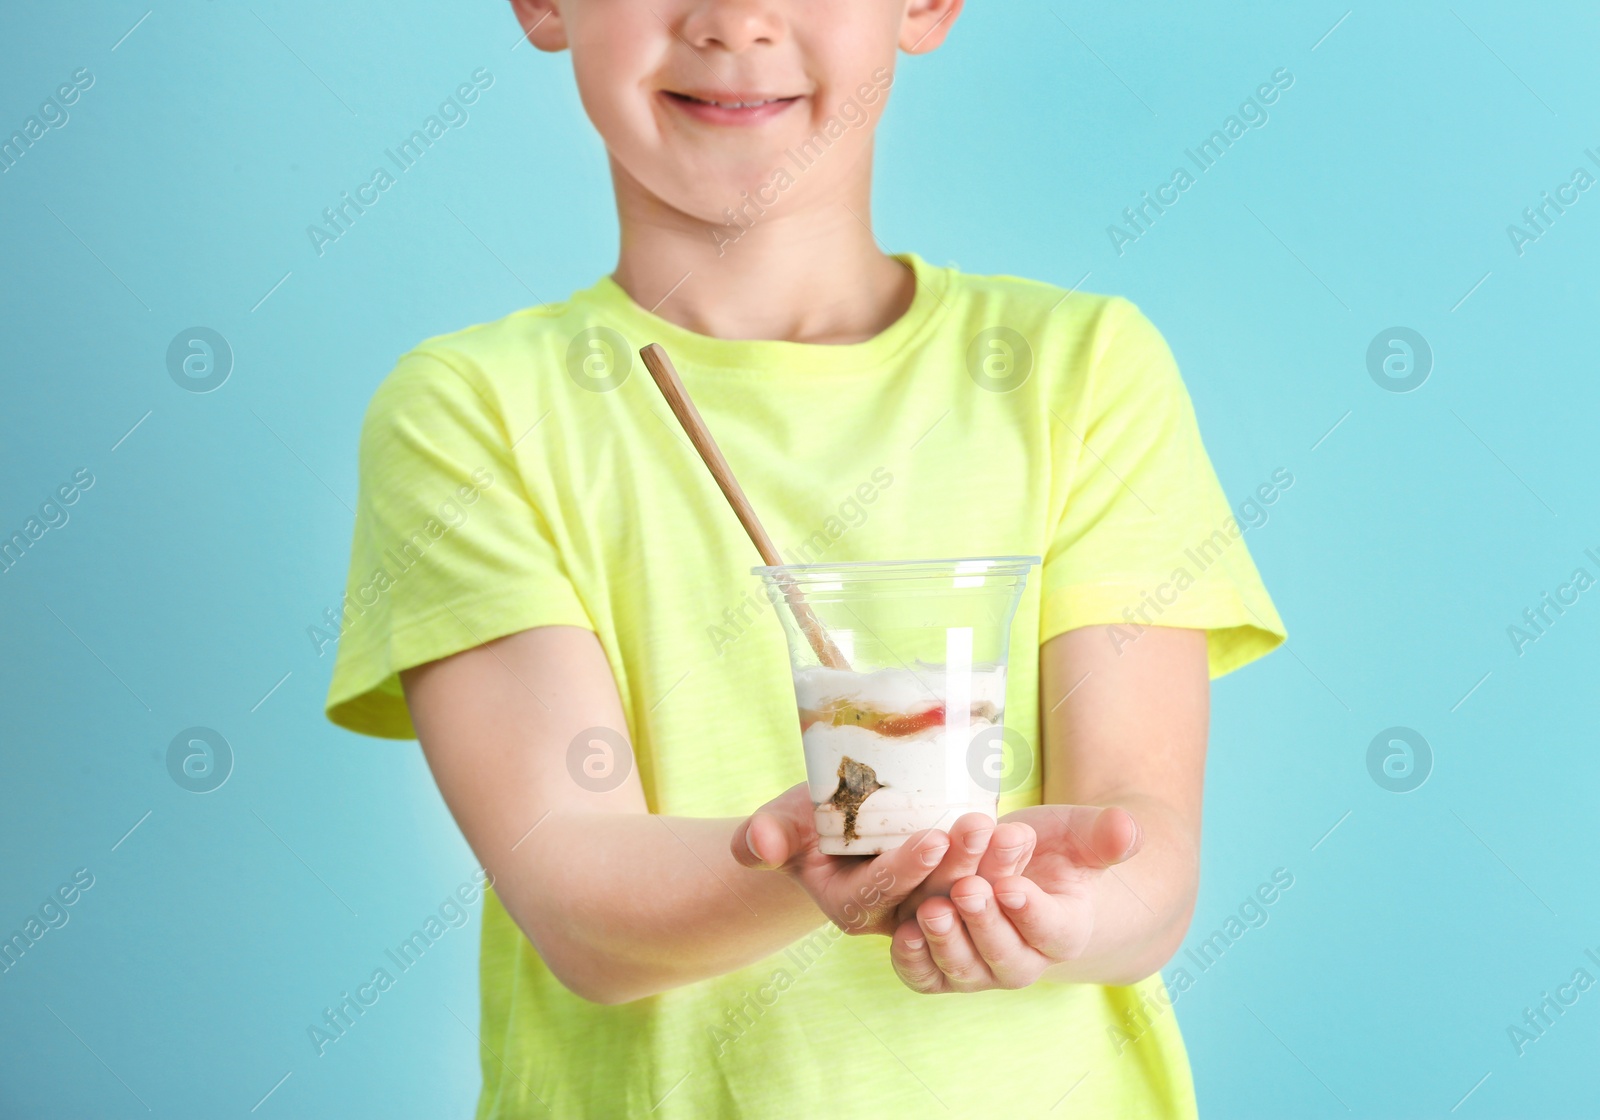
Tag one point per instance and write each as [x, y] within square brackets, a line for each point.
[737, 189]
[737, 196]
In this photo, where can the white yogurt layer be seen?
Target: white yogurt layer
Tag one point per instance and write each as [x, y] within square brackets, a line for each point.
[915, 771]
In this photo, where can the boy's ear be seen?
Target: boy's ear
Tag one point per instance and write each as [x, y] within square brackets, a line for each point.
[925, 25]
[541, 23]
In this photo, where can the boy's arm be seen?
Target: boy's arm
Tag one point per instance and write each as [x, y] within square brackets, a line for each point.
[1110, 889]
[620, 903]
[1133, 736]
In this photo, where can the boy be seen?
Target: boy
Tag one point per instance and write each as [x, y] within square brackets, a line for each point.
[548, 591]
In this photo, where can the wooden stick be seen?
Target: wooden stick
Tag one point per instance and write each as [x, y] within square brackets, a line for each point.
[666, 379]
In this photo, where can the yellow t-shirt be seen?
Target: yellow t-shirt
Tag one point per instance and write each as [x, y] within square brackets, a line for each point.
[527, 473]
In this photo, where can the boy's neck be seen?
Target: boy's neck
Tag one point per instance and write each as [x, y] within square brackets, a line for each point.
[802, 272]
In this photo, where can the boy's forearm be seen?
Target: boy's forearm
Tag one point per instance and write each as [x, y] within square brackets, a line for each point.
[627, 905]
[1142, 907]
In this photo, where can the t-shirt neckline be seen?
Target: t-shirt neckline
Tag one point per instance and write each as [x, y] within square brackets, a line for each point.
[690, 348]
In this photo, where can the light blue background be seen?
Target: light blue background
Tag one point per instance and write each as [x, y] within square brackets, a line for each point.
[1377, 195]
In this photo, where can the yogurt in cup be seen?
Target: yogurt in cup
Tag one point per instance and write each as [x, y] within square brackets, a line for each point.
[900, 741]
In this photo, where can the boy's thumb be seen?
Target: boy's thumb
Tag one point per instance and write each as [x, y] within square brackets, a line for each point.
[1112, 837]
[760, 842]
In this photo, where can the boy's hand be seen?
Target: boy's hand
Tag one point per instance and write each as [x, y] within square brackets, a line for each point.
[1004, 932]
[859, 894]
[978, 847]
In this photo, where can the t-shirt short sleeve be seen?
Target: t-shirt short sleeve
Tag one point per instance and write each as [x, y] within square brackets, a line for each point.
[448, 551]
[1146, 536]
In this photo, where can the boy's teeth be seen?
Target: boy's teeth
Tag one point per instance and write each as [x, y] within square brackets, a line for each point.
[737, 104]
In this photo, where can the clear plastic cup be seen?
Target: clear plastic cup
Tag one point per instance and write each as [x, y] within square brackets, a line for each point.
[905, 738]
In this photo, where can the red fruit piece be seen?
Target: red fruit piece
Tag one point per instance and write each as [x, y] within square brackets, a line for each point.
[909, 725]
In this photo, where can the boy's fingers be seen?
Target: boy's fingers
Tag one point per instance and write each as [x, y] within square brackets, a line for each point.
[1115, 836]
[867, 896]
[1055, 927]
[903, 870]
[1097, 838]
[1012, 961]
[969, 838]
[908, 952]
[766, 840]
[1009, 850]
[952, 950]
[776, 832]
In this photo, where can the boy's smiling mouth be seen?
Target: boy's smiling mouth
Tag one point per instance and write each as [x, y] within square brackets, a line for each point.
[734, 107]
